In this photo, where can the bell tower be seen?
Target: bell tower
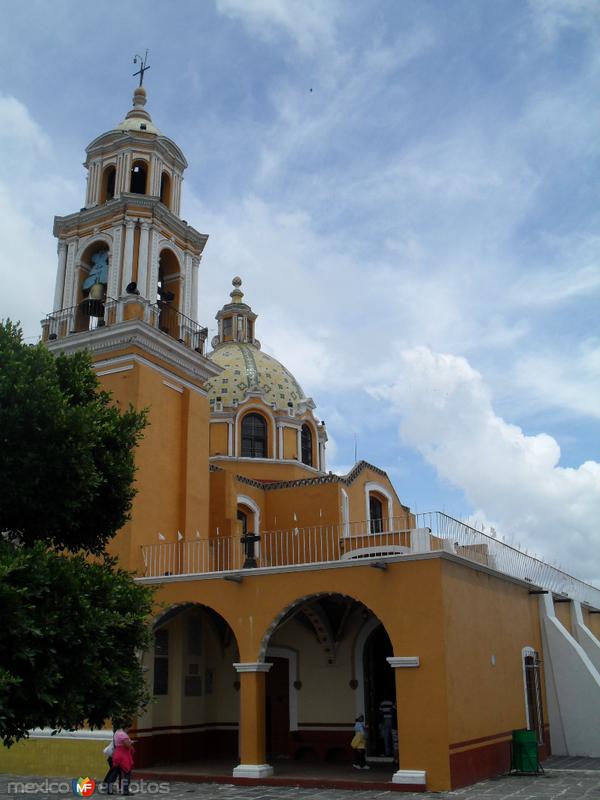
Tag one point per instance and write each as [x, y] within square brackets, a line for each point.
[128, 247]
[126, 291]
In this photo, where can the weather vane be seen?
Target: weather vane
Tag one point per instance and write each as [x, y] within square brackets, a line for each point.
[142, 62]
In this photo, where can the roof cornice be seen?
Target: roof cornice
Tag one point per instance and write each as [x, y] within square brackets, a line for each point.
[123, 207]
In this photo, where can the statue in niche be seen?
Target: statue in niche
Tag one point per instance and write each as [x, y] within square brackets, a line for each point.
[98, 271]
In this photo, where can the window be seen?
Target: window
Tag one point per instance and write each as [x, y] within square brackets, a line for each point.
[165, 189]
[533, 694]
[138, 178]
[306, 445]
[254, 436]
[161, 662]
[376, 513]
[108, 184]
[227, 328]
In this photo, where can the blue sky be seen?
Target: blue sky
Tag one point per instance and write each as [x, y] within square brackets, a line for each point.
[409, 191]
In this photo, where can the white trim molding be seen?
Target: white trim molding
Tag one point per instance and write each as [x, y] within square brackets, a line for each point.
[400, 662]
[252, 666]
[410, 776]
[252, 771]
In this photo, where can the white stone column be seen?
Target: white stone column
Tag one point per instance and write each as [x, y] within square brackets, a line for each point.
[128, 254]
[153, 266]
[280, 440]
[59, 288]
[70, 273]
[195, 270]
[114, 264]
[299, 444]
[230, 437]
[186, 289]
[142, 280]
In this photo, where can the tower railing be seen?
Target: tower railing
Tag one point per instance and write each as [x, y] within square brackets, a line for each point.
[353, 543]
[160, 315]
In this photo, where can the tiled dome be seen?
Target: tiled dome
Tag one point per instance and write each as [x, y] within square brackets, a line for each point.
[246, 368]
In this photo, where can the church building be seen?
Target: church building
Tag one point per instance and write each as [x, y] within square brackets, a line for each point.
[290, 599]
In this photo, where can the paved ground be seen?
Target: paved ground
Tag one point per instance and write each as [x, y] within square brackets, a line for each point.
[564, 779]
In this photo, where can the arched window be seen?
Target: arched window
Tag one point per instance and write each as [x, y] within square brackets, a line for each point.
[242, 518]
[165, 189]
[138, 178]
[306, 445]
[376, 513]
[254, 436]
[107, 191]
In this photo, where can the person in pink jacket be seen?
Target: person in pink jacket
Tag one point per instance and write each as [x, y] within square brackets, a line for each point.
[122, 762]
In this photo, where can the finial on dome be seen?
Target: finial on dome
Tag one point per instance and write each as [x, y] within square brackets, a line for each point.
[237, 294]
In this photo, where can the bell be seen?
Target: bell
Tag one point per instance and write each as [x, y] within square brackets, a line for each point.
[93, 305]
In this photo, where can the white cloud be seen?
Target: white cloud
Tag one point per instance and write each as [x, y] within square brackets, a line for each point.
[445, 411]
[310, 24]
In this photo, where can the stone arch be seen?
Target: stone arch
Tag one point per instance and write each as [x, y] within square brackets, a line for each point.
[197, 702]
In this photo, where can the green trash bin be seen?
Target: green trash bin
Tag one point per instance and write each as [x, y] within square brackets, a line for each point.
[524, 752]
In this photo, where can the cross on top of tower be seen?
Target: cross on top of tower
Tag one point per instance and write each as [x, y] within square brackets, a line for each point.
[137, 59]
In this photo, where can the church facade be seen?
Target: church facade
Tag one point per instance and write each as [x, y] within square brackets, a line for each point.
[291, 600]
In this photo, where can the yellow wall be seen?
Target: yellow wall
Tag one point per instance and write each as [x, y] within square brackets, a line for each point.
[171, 459]
[290, 443]
[486, 618]
[70, 758]
[563, 613]
[219, 438]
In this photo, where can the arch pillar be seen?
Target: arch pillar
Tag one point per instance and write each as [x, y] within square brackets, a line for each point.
[419, 765]
[253, 751]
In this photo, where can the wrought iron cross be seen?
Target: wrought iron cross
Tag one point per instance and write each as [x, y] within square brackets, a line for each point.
[142, 61]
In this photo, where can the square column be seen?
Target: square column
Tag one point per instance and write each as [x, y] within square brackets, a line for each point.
[253, 754]
[422, 727]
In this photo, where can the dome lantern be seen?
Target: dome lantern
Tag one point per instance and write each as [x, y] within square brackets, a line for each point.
[236, 320]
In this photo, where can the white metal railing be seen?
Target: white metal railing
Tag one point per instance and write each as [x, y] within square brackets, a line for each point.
[456, 537]
[353, 541]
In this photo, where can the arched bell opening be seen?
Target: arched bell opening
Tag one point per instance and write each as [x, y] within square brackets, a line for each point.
[195, 710]
[169, 293]
[323, 649]
[107, 186]
[165, 189]
[139, 177]
[91, 276]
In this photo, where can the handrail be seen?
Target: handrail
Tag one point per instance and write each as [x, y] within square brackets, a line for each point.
[352, 542]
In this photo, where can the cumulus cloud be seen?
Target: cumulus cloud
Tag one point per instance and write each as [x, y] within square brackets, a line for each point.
[445, 411]
[30, 191]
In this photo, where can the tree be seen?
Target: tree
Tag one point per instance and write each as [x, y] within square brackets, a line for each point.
[70, 641]
[66, 451]
[73, 623]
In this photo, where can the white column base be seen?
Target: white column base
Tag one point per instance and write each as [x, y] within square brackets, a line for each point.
[252, 771]
[410, 776]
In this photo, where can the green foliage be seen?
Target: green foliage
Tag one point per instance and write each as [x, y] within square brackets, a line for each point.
[70, 641]
[66, 451]
[72, 629]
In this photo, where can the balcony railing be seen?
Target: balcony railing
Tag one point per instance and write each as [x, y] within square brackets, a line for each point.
[160, 315]
[353, 543]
